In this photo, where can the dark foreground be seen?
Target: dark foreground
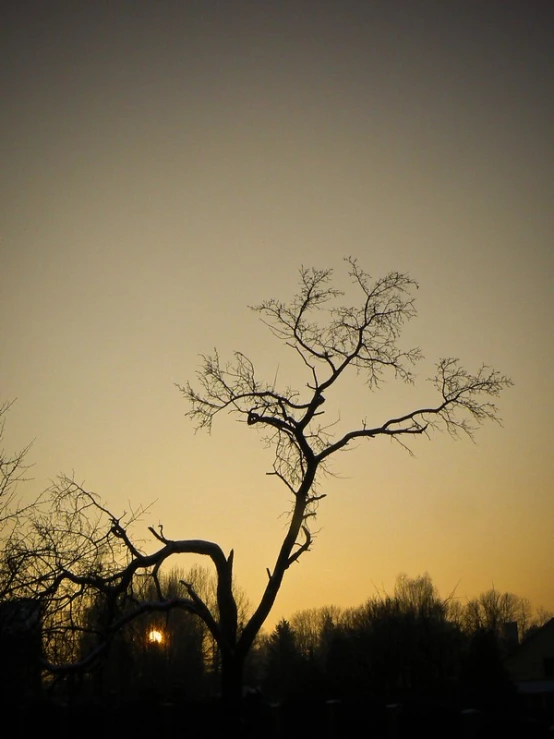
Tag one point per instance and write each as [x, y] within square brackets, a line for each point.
[263, 720]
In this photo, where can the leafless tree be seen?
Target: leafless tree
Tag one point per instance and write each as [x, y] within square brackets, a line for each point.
[332, 339]
[13, 507]
[13, 469]
[309, 625]
[493, 611]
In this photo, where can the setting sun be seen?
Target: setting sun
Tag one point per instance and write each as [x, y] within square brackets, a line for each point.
[155, 636]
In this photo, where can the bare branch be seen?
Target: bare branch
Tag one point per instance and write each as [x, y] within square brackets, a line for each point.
[302, 548]
[13, 469]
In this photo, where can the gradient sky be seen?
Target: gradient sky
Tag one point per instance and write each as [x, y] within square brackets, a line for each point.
[166, 164]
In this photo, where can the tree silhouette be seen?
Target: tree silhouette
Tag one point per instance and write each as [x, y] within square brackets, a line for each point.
[332, 340]
[391, 647]
[13, 469]
[283, 662]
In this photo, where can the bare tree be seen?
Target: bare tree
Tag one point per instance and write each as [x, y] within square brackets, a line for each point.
[310, 624]
[494, 611]
[13, 508]
[12, 471]
[332, 339]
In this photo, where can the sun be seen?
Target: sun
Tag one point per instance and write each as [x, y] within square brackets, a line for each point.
[155, 636]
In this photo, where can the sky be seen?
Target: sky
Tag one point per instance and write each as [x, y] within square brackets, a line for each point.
[165, 165]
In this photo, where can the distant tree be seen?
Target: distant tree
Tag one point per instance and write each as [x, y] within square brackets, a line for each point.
[315, 629]
[333, 341]
[391, 647]
[495, 611]
[312, 627]
[283, 662]
[20, 630]
[541, 616]
[13, 469]
[405, 642]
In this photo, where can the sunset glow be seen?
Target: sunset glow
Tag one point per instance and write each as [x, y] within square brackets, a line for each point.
[166, 165]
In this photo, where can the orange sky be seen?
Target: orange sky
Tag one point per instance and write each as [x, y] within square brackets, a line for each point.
[166, 164]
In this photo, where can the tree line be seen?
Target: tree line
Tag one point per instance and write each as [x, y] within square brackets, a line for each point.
[411, 644]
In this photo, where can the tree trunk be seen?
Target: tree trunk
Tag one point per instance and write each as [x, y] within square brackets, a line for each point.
[232, 675]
